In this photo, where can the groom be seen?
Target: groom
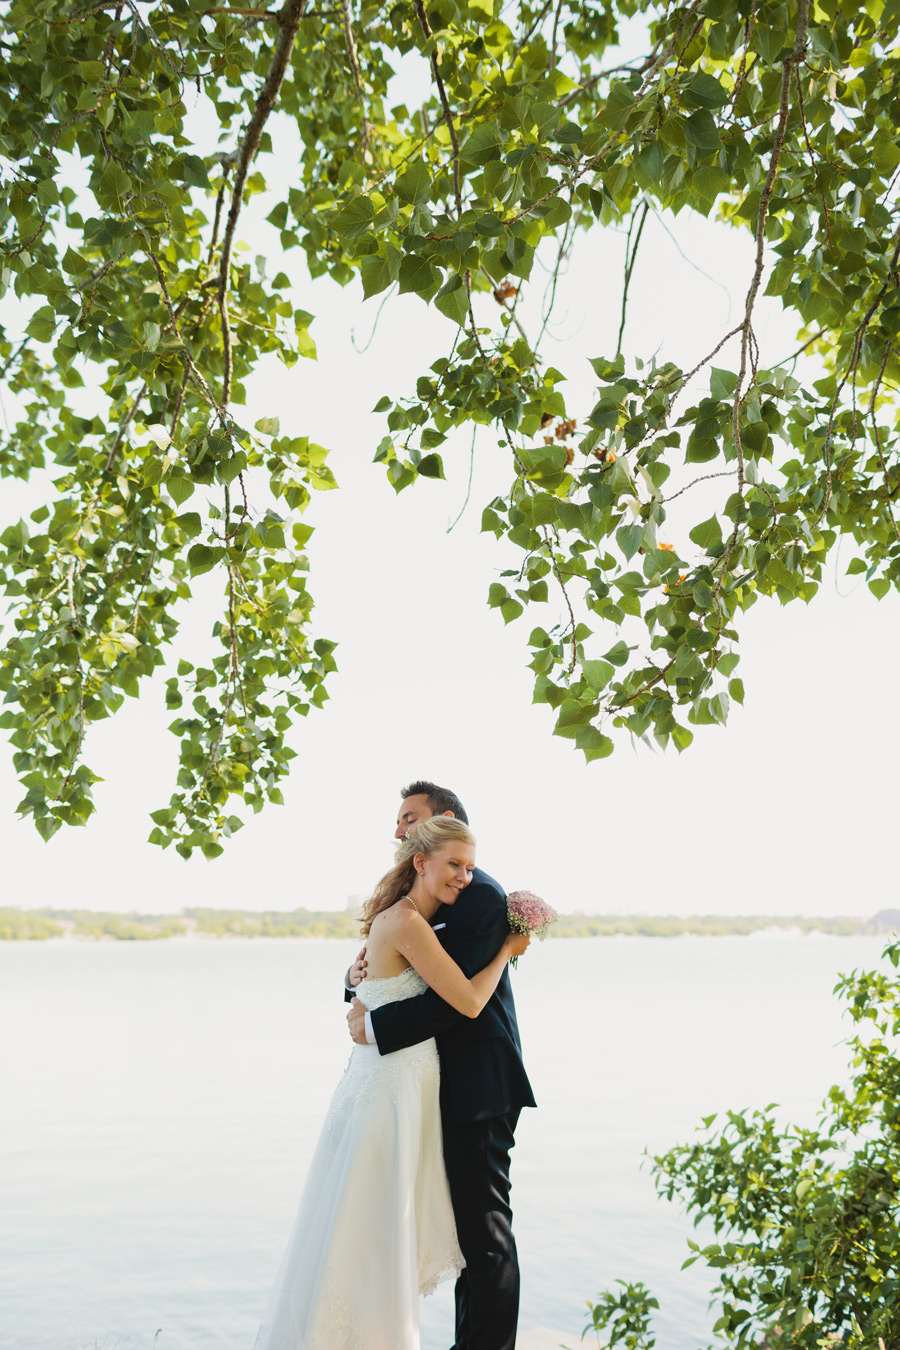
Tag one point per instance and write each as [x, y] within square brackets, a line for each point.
[483, 1088]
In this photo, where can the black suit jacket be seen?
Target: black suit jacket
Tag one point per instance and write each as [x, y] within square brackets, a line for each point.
[482, 1074]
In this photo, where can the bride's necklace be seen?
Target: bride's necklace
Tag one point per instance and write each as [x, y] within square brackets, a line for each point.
[412, 902]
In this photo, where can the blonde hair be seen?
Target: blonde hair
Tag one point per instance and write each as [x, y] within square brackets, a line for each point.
[429, 838]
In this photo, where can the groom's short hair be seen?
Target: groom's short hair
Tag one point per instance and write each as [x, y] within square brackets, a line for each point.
[440, 800]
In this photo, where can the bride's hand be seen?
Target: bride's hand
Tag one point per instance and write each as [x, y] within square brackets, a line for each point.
[518, 943]
[357, 972]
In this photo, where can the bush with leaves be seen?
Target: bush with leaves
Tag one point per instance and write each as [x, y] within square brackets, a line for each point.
[625, 1315]
[118, 234]
[807, 1221]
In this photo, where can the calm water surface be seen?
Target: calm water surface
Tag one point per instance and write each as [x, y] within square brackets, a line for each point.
[159, 1103]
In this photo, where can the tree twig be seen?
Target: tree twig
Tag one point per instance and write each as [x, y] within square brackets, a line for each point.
[289, 23]
[350, 42]
[123, 427]
[144, 580]
[448, 116]
[747, 353]
[595, 160]
[724, 473]
[800, 350]
[630, 259]
[548, 537]
[273, 15]
[661, 673]
[851, 372]
[555, 31]
[884, 469]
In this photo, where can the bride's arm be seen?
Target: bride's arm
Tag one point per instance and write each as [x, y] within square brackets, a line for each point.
[415, 940]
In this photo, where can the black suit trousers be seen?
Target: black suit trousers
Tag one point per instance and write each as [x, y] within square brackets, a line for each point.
[476, 1154]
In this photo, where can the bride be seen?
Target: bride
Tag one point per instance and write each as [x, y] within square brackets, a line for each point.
[375, 1227]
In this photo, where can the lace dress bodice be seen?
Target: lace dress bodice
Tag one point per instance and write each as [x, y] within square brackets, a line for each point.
[390, 988]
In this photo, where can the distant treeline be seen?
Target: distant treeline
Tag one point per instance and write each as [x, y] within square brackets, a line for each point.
[701, 925]
[35, 924]
[86, 923]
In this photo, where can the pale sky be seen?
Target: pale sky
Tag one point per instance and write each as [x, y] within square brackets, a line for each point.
[787, 810]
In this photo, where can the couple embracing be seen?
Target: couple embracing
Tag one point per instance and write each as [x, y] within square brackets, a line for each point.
[409, 1184]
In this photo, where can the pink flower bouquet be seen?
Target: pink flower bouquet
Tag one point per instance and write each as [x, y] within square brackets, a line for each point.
[528, 913]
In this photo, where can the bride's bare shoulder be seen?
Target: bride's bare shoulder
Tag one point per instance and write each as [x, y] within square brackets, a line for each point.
[391, 920]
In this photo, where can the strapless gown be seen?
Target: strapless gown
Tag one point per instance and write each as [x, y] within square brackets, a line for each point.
[375, 1227]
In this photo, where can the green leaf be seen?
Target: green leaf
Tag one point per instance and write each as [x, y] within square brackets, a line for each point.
[191, 523]
[618, 654]
[194, 171]
[179, 487]
[202, 558]
[597, 673]
[115, 185]
[630, 538]
[47, 826]
[682, 737]
[705, 91]
[481, 145]
[354, 218]
[378, 272]
[707, 534]
[417, 275]
[650, 163]
[414, 184]
[592, 743]
[42, 324]
[777, 573]
[722, 384]
[431, 466]
[452, 300]
[701, 133]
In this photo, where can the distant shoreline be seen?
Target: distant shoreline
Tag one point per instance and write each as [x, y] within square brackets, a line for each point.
[35, 925]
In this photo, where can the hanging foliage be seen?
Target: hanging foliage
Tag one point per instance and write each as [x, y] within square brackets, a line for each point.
[779, 117]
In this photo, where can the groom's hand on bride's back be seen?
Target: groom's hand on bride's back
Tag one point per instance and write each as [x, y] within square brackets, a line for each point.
[356, 1021]
[357, 972]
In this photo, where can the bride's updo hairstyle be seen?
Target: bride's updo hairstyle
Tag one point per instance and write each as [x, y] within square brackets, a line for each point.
[430, 837]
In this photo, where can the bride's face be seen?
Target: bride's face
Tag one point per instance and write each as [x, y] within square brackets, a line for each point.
[447, 872]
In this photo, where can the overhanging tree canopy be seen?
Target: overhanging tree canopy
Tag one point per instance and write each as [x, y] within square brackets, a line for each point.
[780, 117]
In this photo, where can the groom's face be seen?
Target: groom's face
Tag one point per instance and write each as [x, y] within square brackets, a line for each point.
[412, 810]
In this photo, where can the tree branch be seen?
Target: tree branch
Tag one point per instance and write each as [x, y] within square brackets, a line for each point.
[556, 17]
[630, 259]
[596, 159]
[448, 116]
[273, 15]
[723, 473]
[787, 74]
[851, 372]
[661, 672]
[884, 468]
[123, 427]
[354, 65]
[289, 22]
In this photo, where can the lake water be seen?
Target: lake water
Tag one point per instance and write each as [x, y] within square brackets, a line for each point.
[159, 1103]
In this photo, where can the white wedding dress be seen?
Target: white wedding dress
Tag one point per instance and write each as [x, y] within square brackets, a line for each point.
[375, 1227]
